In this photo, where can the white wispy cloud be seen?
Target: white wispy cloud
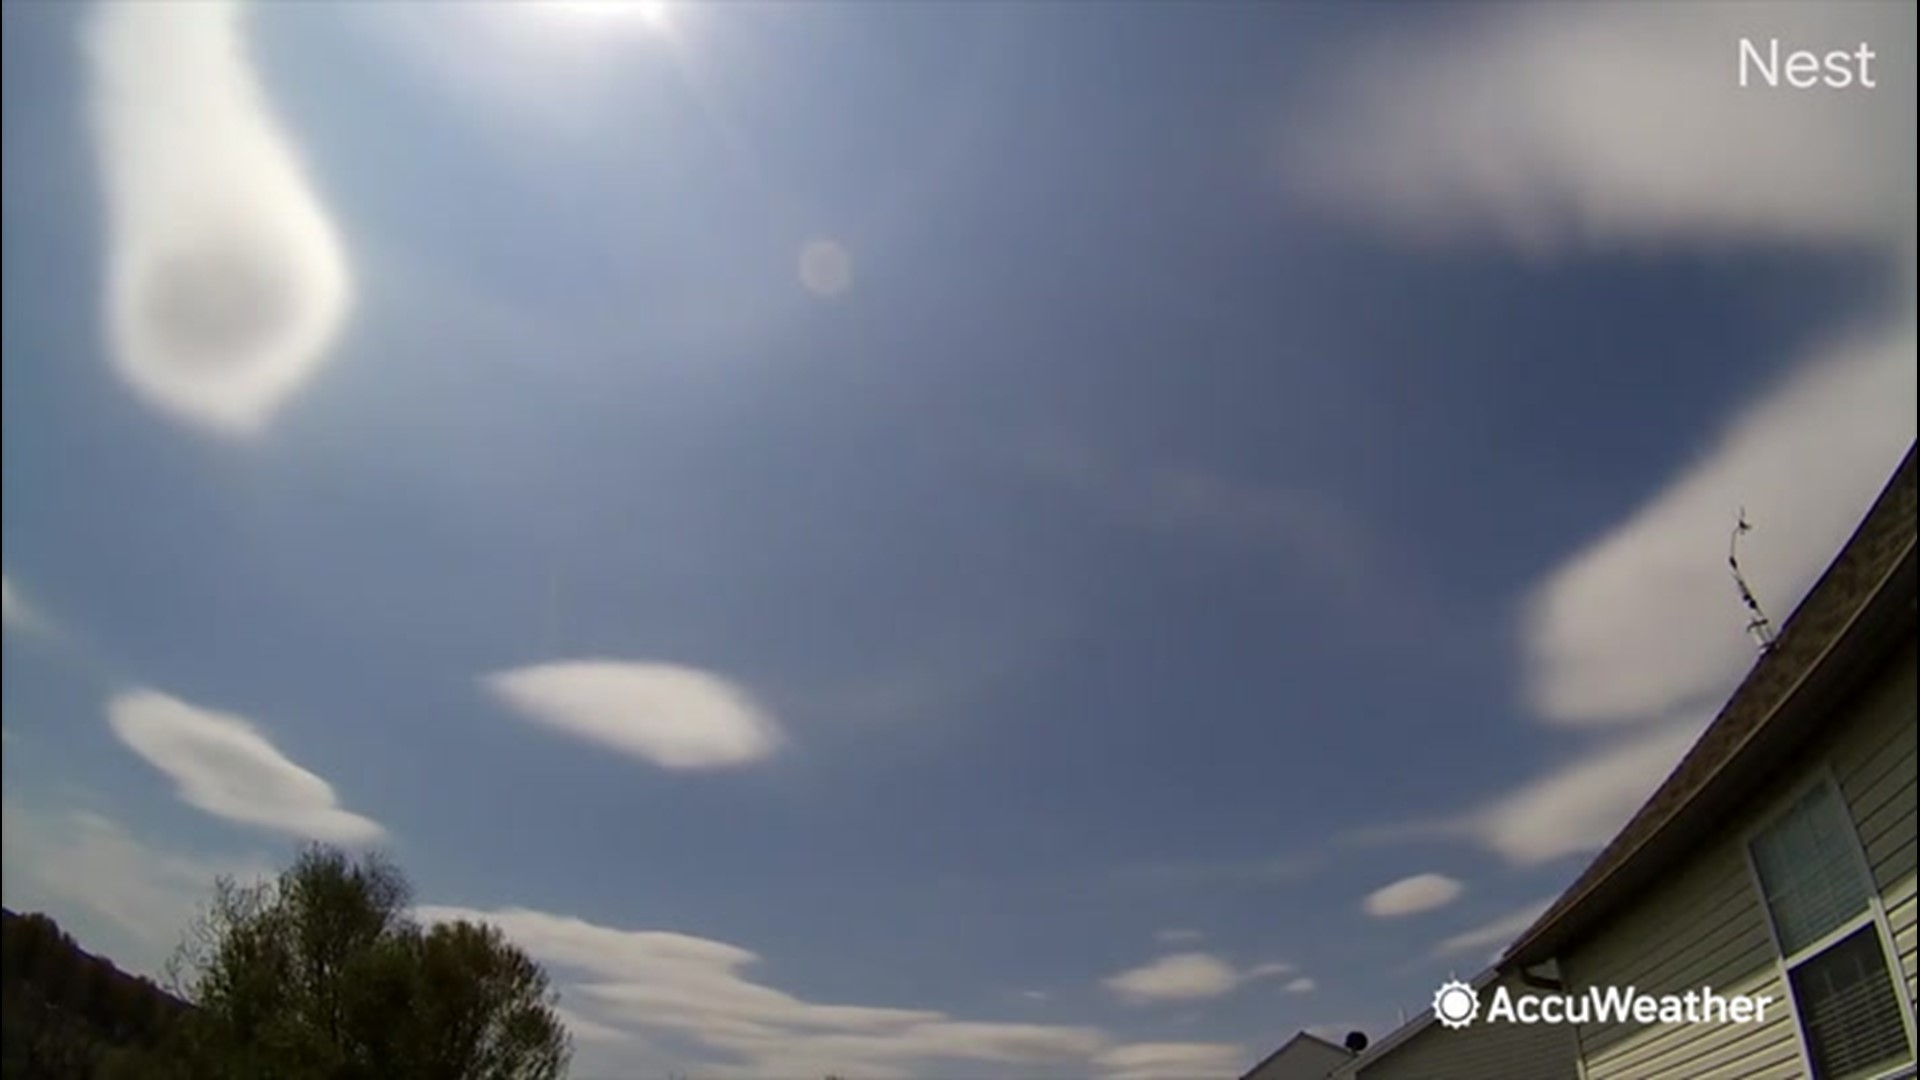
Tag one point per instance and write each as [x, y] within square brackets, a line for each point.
[1325, 545]
[1329, 542]
[221, 764]
[1573, 808]
[226, 279]
[15, 612]
[1624, 123]
[1188, 976]
[1412, 895]
[673, 716]
[697, 989]
[1494, 935]
[592, 1031]
[1645, 621]
[78, 863]
[1301, 985]
[1578, 807]
[1172, 1061]
[1623, 126]
[1643, 625]
[1620, 123]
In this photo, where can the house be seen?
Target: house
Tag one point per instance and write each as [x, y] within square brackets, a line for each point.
[1303, 1057]
[1424, 1049]
[1775, 866]
[1777, 859]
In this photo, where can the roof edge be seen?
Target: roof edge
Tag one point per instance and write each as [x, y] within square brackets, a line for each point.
[1760, 701]
[1303, 1033]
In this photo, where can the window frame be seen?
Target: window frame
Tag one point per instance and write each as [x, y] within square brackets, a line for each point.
[1875, 915]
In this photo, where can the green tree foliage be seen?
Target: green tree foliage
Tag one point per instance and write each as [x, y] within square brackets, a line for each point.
[319, 974]
[322, 974]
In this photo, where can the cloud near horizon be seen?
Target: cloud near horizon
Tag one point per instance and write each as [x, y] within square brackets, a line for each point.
[1172, 1061]
[1495, 934]
[221, 764]
[673, 716]
[1578, 807]
[695, 989]
[1188, 976]
[1571, 809]
[227, 281]
[88, 859]
[1412, 895]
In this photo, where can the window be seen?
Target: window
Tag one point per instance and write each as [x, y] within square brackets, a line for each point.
[1826, 920]
[1848, 1008]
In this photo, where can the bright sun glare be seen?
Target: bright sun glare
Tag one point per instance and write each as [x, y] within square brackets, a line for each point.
[654, 14]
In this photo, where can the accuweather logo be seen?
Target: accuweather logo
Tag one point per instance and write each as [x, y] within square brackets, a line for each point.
[1457, 1005]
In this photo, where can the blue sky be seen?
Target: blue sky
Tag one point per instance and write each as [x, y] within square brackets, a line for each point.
[924, 540]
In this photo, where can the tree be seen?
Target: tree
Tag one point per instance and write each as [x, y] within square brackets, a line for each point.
[322, 974]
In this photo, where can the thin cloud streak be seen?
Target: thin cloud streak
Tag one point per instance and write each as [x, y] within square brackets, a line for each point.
[1577, 808]
[1493, 935]
[1171, 1061]
[1188, 976]
[15, 612]
[697, 989]
[1572, 809]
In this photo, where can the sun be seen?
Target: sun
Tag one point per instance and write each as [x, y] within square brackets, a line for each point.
[655, 15]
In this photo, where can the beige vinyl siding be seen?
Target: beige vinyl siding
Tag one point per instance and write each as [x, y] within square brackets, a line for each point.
[1874, 761]
[1538, 1051]
[1705, 925]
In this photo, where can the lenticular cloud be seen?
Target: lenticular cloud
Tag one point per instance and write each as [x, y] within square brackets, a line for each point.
[225, 279]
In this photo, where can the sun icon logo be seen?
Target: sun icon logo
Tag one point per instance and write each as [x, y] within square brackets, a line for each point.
[1455, 1004]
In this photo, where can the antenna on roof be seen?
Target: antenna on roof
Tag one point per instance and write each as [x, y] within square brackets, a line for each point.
[1759, 627]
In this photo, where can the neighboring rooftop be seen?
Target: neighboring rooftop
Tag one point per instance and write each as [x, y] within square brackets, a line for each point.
[1317, 1051]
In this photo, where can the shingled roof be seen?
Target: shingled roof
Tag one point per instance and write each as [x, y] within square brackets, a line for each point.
[1859, 610]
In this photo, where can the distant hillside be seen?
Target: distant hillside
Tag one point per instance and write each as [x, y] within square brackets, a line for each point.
[68, 1014]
